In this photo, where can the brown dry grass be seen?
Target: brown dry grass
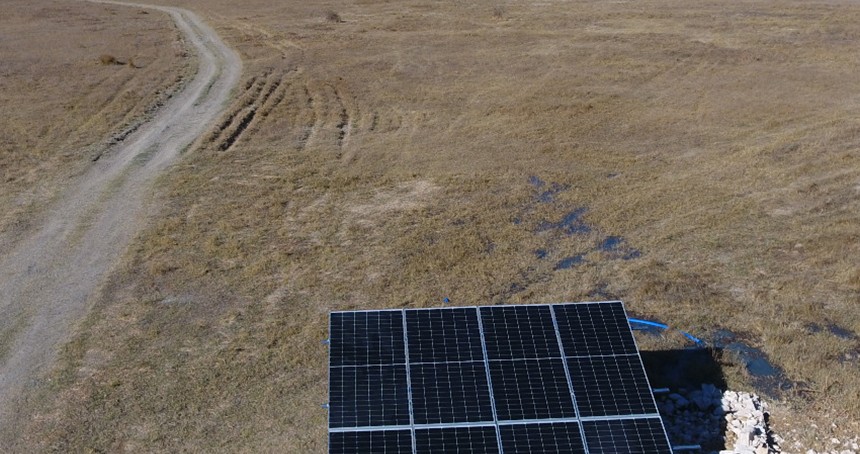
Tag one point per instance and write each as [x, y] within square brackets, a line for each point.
[385, 162]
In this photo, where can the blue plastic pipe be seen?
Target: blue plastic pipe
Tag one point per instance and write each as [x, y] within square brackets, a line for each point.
[662, 326]
[648, 322]
[693, 338]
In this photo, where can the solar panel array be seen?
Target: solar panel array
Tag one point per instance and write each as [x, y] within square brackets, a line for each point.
[496, 379]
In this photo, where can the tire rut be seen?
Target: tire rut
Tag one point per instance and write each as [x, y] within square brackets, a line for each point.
[254, 102]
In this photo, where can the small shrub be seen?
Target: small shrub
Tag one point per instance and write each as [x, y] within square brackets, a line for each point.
[107, 59]
[332, 16]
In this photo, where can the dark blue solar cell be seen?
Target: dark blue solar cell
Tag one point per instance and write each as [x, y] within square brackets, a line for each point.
[460, 440]
[365, 396]
[531, 389]
[543, 438]
[588, 329]
[360, 338]
[622, 436]
[371, 442]
[610, 385]
[512, 332]
[453, 392]
[443, 335]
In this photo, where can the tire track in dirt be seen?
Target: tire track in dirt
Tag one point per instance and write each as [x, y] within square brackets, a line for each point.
[48, 278]
[321, 116]
[261, 95]
[309, 129]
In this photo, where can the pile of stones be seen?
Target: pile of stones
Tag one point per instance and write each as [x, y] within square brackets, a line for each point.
[714, 420]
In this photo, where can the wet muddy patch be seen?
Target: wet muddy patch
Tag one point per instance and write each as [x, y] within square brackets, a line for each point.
[566, 238]
[850, 357]
[571, 224]
[833, 329]
[767, 377]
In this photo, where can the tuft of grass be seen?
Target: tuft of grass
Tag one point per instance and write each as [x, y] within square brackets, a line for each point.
[332, 16]
[499, 11]
[107, 59]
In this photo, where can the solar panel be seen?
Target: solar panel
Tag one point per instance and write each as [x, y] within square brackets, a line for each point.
[450, 392]
[513, 332]
[371, 442]
[594, 329]
[544, 438]
[531, 389]
[368, 396]
[496, 379]
[645, 436]
[471, 440]
[610, 385]
[360, 338]
[444, 335]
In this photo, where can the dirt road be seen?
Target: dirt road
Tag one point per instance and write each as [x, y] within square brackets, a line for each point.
[47, 279]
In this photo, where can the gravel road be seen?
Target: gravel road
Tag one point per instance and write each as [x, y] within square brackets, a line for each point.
[48, 278]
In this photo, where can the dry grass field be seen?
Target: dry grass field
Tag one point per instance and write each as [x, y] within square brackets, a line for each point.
[699, 160]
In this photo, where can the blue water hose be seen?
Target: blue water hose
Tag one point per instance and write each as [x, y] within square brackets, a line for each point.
[662, 326]
[648, 323]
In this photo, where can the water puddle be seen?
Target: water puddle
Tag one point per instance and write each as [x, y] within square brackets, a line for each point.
[570, 224]
[767, 377]
[834, 329]
[536, 182]
[617, 247]
[569, 262]
[842, 333]
[547, 192]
